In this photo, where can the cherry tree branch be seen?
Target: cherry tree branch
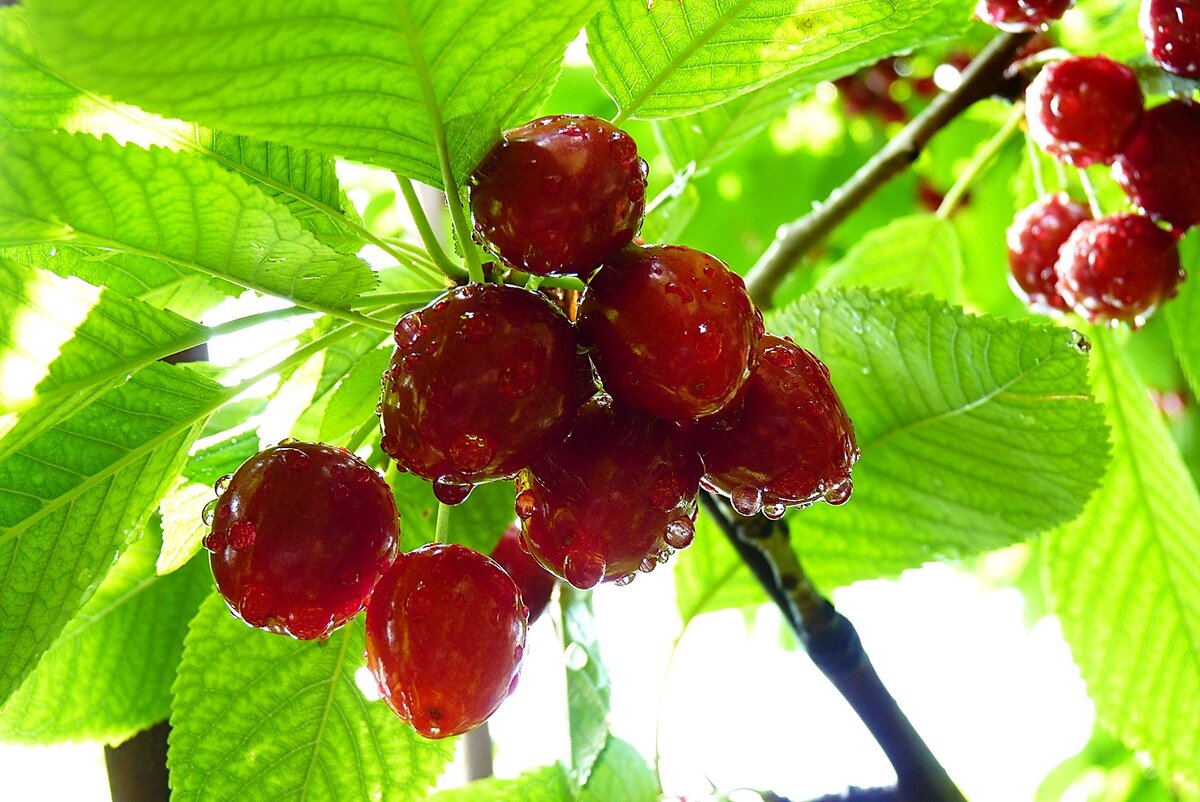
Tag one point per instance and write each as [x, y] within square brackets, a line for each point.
[984, 77]
[835, 648]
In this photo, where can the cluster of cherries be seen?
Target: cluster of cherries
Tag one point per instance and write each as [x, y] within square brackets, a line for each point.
[609, 417]
[1090, 110]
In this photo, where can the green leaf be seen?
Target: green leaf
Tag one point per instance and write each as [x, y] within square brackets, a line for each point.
[669, 59]
[109, 675]
[918, 252]
[389, 83]
[1124, 579]
[355, 398]
[976, 432]
[588, 689]
[710, 575]
[1183, 313]
[544, 784]
[209, 464]
[71, 499]
[621, 774]
[59, 188]
[258, 716]
[183, 524]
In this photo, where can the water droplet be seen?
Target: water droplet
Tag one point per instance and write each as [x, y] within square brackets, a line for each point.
[451, 491]
[575, 656]
[206, 515]
[222, 483]
[774, 511]
[840, 493]
[242, 534]
[519, 653]
[525, 504]
[649, 563]
[624, 148]
[583, 567]
[664, 494]
[339, 491]
[746, 500]
[518, 379]
[1081, 343]
[408, 330]
[214, 541]
[309, 623]
[471, 452]
[780, 357]
[680, 532]
[223, 507]
[525, 613]
[627, 579]
[477, 327]
[257, 606]
[391, 447]
[295, 459]
[678, 290]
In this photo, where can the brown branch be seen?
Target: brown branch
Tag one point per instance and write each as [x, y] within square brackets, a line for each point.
[982, 78]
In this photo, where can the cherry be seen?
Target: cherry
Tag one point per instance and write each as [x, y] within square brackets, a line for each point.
[1034, 239]
[671, 330]
[1160, 169]
[560, 194]
[1083, 110]
[482, 381]
[617, 496]
[300, 534]
[1171, 29]
[1021, 15]
[1118, 268]
[787, 441]
[535, 583]
[445, 638]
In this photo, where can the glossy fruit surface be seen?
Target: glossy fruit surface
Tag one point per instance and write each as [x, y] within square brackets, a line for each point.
[1160, 169]
[534, 581]
[1118, 268]
[1034, 239]
[671, 330]
[1171, 29]
[617, 496]
[299, 536]
[1083, 110]
[1021, 15]
[787, 441]
[482, 381]
[559, 195]
[445, 638]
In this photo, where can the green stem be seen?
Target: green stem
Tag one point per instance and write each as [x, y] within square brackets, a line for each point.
[981, 161]
[1035, 165]
[521, 279]
[1089, 191]
[441, 533]
[404, 298]
[425, 230]
[362, 433]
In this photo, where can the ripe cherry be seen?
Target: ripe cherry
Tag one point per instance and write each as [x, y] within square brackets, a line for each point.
[1172, 32]
[1021, 15]
[787, 440]
[445, 638]
[671, 330]
[617, 496]
[299, 536]
[560, 194]
[1160, 169]
[536, 584]
[1083, 110]
[482, 381]
[1034, 239]
[1118, 268]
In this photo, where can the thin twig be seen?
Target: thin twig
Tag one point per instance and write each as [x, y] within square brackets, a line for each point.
[981, 79]
[433, 247]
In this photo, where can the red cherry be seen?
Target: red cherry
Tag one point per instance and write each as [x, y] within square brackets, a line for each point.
[482, 381]
[559, 194]
[1083, 110]
[535, 582]
[299, 537]
[671, 330]
[1021, 15]
[1118, 268]
[786, 442]
[445, 638]
[1034, 239]
[1160, 169]
[1171, 29]
[617, 496]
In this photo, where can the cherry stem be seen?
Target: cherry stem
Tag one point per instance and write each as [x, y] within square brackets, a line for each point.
[1035, 166]
[1089, 192]
[834, 646]
[434, 248]
[406, 298]
[982, 78]
[983, 158]
[362, 433]
[441, 532]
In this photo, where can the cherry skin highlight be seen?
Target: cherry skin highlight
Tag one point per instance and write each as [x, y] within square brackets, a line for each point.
[1171, 29]
[1021, 15]
[1034, 239]
[786, 442]
[617, 496]
[1160, 169]
[671, 330]
[1083, 110]
[482, 381]
[534, 581]
[1118, 268]
[445, 638]
[299, 537]
[559, 195]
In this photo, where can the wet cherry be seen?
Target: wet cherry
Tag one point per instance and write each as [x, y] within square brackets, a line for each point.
[536, 584]
[617, 496]
[1172, 32]
[445, 638]
[1021, 15]
[559, 194]
[299, 537]
[1118, 268]
[1160, 169]
[671, 330]
[787, 440]
[482, 381]
[1034, 239]
[1083, 110]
